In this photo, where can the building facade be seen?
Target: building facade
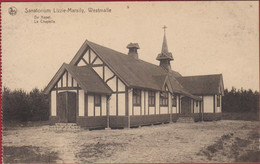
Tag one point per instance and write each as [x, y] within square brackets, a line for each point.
[101, 87]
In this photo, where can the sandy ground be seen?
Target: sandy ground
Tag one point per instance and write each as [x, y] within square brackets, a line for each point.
[175, 142]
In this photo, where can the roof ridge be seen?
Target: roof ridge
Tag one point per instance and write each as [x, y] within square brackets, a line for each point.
[200, 75]
[127, 55]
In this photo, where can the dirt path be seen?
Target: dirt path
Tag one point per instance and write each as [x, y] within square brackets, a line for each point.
[176, 142]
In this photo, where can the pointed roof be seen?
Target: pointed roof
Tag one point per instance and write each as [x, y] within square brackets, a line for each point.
[203, 84]
[165, 54]
[136, 73]
[85, 76]
[133, 73]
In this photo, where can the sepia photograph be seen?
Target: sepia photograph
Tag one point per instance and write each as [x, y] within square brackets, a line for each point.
[130, 82]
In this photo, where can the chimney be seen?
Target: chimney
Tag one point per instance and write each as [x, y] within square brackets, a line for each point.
[133, 50]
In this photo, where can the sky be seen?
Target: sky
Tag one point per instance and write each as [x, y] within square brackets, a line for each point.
[204, 38]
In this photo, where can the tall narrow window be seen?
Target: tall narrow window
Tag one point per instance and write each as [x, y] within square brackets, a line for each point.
[218, 100]
[151, 98]
[174, 101]
[136, 97]
[197, 103]
[164, 99]
[97, 100]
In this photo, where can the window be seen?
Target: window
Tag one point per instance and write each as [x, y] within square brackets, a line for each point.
[137, 97]
[151, 98]
[174, 101]
[164, 99]
[218, 100]
[197, 104]
[97, 100]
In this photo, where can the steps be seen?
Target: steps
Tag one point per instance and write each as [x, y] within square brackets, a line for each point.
[64, 127]
[185, 119]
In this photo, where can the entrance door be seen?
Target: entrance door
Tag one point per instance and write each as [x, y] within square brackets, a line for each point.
[62, 109]
[67, 107]
[71, 107]
[185, 105]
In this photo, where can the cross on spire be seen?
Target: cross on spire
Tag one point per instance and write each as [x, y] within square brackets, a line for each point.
[164, 28]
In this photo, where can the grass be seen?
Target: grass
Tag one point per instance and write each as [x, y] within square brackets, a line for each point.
[27, 154]
[12, 125]
[240, 150]
[91, 152]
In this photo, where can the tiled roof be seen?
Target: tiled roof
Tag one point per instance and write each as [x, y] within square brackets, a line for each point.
[140, 74]
[203, 84]
[85, 76]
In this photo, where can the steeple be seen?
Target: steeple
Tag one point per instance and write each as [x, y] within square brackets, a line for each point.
[165, 56]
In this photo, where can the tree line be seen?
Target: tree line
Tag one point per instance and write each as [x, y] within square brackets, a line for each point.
[240, 101]
[18, 105]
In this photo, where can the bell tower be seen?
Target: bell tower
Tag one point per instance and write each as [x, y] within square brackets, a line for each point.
[165, 56]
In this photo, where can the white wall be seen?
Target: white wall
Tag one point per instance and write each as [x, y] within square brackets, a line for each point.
[146, 103]
[112, 84]
[98, 61]
[99, 71]
[137, 110]
[121, 104]
[85, 56]
[169, 103]
[121, 85]
[104, 105]
[151, 110]
[177, 104]
[163, 110]
[97, 111]
[112, 107]
[130, 103]
[208, 104]
[90, 105]
[108, 73]
[142, 102]
[53, 103]
[196, 109]
[81, 102]
[157, 102]
[64, 78]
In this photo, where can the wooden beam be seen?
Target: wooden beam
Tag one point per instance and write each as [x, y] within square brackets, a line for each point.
[97, 65]
[110, 78]
[67, 88]
[86, 104]
[94, 60]
[103, 73]
[116, 96]
[126, 101]
[119, 92]
[84, 61]
[61, 81]
[67, 78]
[77, 103]
[100, 105]
[89, 56]
[214, 103]
[94, 112]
